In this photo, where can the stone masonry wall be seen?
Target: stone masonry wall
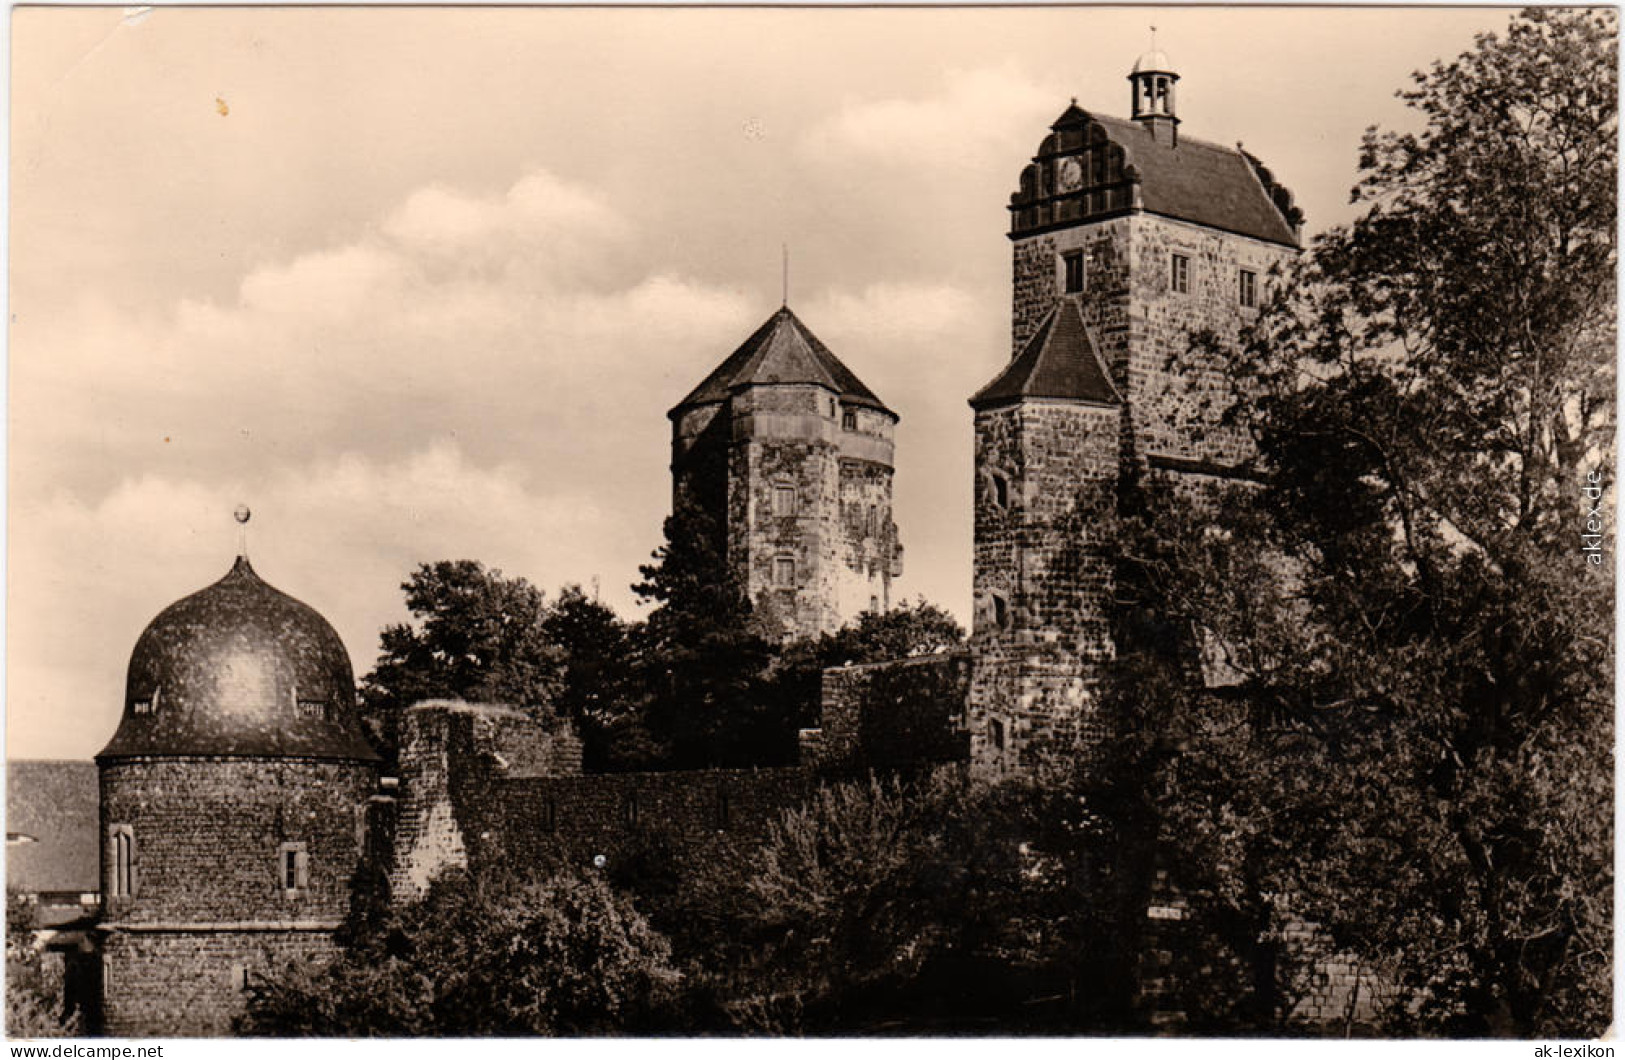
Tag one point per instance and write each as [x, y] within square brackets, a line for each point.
[208, 835]
[191, 984]
[895, 714]
[1042, 578]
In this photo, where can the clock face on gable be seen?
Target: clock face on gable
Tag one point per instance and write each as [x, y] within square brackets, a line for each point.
[1069, 175]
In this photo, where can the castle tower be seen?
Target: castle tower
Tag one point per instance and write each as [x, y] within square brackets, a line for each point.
[791, 456]
[233, 806]
[1127, 241]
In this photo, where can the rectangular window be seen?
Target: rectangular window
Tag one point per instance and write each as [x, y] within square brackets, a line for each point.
[293, 869]
[784, 572]
[1180, 279]
[996, 733]
[1072, 271]
[1249, 288]
[784, 501]
[849, 420]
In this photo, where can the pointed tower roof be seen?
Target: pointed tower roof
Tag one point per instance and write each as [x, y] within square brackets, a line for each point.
[1059, 362]
[781, 351]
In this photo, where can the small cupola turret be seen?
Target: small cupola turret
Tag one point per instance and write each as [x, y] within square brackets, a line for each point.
[1153, 81]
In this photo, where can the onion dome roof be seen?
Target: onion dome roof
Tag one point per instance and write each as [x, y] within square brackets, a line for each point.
[240, 668]
[782, 351]
[1059, 362]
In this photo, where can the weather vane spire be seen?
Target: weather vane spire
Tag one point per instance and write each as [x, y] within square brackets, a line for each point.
[242, 515]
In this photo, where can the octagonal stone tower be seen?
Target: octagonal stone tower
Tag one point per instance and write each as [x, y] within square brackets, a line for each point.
[233, 805]
[1129, 238]
[791, 456]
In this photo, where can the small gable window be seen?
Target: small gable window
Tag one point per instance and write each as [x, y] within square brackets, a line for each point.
[1180, 276]
[784, 501]
[121, 837]
[1072, 271]
[293, 869]
[1247, 290]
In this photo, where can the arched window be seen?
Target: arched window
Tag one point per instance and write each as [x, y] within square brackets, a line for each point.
[122, 839]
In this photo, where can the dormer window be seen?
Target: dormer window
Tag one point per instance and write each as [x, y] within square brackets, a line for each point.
[145, 704]
[314, 709]
[1072, 272]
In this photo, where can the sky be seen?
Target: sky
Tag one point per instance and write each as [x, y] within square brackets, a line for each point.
[421, 283]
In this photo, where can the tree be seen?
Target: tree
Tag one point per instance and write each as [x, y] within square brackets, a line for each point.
[35, 997]
[1405, 598]
[476, 635]
[595, 686]
[700, 656]
[563, 955]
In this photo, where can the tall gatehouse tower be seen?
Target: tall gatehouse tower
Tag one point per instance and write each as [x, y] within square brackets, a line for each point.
[234, 803]
[790, 456]
[1128, 238]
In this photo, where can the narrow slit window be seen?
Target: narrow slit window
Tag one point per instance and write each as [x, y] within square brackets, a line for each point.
[1001, 612]
[724, 811]
[293, 869]
[630, 810]
[1001, 490]
[1248, 288]
[996, 733]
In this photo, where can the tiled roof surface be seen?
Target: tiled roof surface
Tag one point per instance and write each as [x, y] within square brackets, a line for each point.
[1189, 179]
[1059, 361]
[51, 807]
[240, 668]
[782, 350]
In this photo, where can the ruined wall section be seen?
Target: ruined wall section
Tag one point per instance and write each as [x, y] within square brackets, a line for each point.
[1042, 580]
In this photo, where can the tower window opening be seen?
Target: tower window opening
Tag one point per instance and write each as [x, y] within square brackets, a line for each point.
[784, 501]
[1072, 271]
[849, 420]
[122, 839]
[995, 728]
[1180, 276]
[1001, 490]
[784, 571]
[293, 869]
[630, 811]
[1001, 612]
[1248, 288]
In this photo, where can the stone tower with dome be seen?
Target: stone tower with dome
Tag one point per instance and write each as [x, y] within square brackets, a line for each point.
[1129, 238]
[789, 458]
[234, 805]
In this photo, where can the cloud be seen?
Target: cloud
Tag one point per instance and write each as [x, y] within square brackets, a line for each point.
[974, 118]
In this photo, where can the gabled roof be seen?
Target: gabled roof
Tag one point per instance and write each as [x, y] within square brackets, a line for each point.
[51, 827]
[1188, 179]
[1059, 362]
[781, 351]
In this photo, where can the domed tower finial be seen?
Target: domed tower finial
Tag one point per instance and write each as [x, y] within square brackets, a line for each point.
[1152, 104]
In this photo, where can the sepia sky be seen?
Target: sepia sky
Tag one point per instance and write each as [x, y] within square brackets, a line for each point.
[421, 284]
